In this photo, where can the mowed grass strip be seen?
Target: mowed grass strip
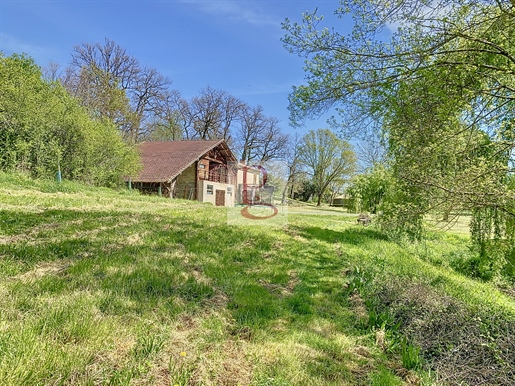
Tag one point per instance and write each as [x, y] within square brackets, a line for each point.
[109, 287]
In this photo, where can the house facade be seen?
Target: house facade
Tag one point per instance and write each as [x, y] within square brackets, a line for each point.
[206, 171]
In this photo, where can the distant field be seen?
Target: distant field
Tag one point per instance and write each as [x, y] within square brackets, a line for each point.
[458, 225]
[109, 287]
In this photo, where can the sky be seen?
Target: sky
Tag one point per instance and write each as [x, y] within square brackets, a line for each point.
[229, 45]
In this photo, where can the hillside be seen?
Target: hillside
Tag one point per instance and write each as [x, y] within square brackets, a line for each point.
[109, 287]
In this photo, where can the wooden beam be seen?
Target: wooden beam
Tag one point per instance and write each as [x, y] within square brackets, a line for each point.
[213, 159]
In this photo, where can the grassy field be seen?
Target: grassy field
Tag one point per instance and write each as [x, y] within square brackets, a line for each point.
[103, 287]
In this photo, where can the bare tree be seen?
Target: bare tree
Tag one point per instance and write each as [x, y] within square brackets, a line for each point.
[52, 72]
[259, 138]
[213, 113]
[273, 141]
[293, 166]
[106, 69]
[370, 152]
[250, 132]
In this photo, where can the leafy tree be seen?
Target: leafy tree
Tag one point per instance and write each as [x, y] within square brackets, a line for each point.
[42, 128]
[326, 158]
[101, 95]
[306, 190]
[367, 191]
[439, 89]
[351, 72]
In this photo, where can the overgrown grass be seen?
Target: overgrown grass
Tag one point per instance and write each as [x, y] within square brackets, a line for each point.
[100, 286]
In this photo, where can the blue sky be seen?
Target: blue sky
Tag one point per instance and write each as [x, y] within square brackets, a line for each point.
[229, 45]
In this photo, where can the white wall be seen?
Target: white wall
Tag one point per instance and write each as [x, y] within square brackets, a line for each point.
[204, 197]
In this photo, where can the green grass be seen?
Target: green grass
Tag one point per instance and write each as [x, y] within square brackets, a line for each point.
[99, 286]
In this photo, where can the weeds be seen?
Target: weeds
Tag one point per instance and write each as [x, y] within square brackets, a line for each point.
[410, 355]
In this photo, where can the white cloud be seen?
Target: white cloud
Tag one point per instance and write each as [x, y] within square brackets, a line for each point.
[12, 45]
[241, 11]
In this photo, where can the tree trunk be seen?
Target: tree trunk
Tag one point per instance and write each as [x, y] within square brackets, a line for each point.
[283, 199]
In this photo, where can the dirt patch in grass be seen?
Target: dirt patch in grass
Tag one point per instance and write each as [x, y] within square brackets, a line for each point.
[295, 234]
[227, 366]
[281, 290]
[294, 280]
[358, 307]
[43, 269]
[136, 239]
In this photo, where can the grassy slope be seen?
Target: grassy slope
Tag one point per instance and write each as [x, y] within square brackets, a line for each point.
[104, 287]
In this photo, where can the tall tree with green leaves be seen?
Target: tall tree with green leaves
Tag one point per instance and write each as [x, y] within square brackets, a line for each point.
[325, 158]
[43, 128]
[436, 80]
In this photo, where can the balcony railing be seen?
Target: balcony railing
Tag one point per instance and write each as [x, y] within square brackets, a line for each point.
[216, 176]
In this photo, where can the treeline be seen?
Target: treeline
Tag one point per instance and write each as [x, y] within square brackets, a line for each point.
[87, 118]
[112, 84]
[44, 129]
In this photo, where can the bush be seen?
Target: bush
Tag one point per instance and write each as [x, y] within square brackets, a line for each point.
[43, 129]
[368, 190]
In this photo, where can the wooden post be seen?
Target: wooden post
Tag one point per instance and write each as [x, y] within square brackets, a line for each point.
[172, 188]
[58, 172]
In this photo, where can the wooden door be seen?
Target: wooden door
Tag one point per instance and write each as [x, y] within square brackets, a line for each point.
[220, 198]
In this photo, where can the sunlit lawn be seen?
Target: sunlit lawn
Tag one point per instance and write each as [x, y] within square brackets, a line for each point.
[107, 287]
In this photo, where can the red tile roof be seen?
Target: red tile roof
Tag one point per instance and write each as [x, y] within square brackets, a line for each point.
[163, 161]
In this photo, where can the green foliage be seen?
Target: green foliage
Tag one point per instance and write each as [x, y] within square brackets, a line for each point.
[113, 85]
[438, 89]
[306, 190]
[384, 377]
[100, 94]
[493, 239]
[403, 210]
[410, 356]
[167, 128]
[368, 190]
[326, 158]
[43, 129]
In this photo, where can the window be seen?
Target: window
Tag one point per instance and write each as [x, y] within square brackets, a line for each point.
[201, 166]
[209, 189]
[229, 191]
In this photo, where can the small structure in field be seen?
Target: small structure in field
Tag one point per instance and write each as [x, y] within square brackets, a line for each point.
[364, 219]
